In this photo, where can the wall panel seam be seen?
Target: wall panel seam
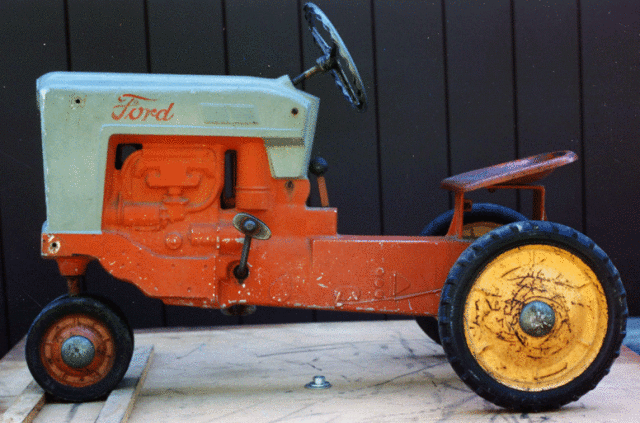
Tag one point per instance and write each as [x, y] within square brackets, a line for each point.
[583, 171]
[377, 116]
[6, 343]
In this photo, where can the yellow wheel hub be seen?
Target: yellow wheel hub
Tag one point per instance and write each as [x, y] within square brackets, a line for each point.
[476, 229]
[537, 275]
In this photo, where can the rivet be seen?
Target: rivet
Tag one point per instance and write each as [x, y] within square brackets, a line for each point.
[173, 240]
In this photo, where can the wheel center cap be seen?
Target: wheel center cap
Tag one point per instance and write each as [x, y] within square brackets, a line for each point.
[78, 352]
[537, 319]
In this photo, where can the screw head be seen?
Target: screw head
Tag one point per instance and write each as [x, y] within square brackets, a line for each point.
[318, 382]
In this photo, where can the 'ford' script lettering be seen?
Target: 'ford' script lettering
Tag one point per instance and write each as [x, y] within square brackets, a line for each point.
[130, 108]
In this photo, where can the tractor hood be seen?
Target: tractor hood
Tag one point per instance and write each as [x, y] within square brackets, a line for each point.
[81, 111]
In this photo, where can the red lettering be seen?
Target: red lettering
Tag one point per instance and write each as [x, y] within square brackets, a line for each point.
[132, 107]
[164, 113]
[140, 111]
[151, 112]
[123, 106]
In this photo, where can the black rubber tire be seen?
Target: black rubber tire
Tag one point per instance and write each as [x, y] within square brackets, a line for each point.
[112, 320]
[429, 326]
[480, 212]
[458, 287]
[115, 308]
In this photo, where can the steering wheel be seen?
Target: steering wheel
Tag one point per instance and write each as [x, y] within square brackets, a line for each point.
[336, 58]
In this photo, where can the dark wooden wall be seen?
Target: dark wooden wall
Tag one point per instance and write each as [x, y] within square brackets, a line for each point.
[453, 85]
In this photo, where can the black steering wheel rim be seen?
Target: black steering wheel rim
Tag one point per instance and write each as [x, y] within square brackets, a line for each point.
[343, 68]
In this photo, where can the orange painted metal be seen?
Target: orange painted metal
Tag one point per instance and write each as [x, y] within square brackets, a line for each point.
[539, 197]
[517, 172]
[322, 190]
[167, 230]
[399, 275]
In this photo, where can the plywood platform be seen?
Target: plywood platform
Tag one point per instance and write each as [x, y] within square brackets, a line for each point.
[379, 371]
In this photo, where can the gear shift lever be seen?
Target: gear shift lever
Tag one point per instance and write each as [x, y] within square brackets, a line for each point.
[251, 227]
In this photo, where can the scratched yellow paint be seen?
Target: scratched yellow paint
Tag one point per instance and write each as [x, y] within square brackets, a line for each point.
[514, 279]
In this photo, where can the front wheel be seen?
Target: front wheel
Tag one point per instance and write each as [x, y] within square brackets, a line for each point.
[79, 348]
[532, 315]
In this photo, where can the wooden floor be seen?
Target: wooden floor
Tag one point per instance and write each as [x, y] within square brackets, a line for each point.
[379, 371]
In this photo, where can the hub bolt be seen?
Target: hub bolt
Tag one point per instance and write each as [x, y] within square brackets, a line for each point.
[537, 319]
[78, 352]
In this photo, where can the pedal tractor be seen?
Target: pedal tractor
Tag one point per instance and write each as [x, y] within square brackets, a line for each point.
[194, 189]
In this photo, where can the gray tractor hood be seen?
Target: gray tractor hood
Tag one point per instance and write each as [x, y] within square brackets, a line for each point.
[81, 111]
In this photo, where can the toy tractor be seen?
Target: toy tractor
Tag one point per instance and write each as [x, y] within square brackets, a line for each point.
[194, 189]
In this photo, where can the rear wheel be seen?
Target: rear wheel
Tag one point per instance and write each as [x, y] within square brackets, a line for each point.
[532, 315]
[482, 218]
[78, 348]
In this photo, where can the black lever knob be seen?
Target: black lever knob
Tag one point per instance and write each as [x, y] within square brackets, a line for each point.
[318, 166]
[249, 227]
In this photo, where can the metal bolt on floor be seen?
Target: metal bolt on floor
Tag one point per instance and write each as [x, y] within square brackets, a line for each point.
[318, 382]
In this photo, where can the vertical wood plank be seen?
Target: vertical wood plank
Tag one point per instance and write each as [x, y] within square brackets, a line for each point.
[110, 37]
[481, 105]
[107, 36]
[186, 37]
[33, 43]
[548, 98]
[412, 113]
[263, 38]
[611, 108]
[4, 315]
